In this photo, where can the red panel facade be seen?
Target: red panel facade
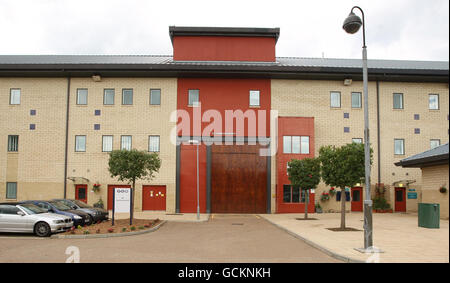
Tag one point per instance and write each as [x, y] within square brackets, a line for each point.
[228, 48]
[154, 197]
[292, 126]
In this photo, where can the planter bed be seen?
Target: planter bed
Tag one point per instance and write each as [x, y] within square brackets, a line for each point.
[383, 211]
[120, 226]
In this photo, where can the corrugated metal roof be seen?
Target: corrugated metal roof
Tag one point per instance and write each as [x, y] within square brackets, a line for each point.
[437, 151]
[83, 59]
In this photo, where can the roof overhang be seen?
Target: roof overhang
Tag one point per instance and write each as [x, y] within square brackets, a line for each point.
[424, 162]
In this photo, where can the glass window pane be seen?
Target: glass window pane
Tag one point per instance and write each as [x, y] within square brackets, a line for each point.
[80, 143]
[127, 96]
[13, 143]
[15, 96]
[155, 97]
[107, 143]
[357, 140]
[305, 145]
[82, 95]
[356, 100]
[11, 190]
[335, 99]
[193, 97]
[126, 143]
[287, 146]
[433, 100]
[356, 195]
[153, 144]
[434, 143]
[399, 195]
[399, 146]
[286, 193]
[303, 193]
[398, 100]
[296, 144]
[295, 194]
[254, 98]
[108, 97]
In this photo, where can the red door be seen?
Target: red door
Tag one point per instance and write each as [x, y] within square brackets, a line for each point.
[357, 204]
[400, 199]
[81, 193]
[154, 198]
[110, 193]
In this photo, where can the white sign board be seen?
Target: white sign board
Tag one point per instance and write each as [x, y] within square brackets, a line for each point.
[122, 199]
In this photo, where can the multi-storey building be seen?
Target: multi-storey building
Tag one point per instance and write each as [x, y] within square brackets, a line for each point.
[225, 94]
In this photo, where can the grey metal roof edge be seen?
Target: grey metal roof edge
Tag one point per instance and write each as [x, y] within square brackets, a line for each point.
[438, 155]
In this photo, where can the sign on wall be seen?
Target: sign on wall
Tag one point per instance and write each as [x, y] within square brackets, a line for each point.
[122, 200]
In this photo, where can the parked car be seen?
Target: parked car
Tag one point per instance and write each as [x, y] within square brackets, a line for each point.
[78, 217]
[96, 214]
[29, 218]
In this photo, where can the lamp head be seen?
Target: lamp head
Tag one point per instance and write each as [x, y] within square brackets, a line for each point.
[352, 23]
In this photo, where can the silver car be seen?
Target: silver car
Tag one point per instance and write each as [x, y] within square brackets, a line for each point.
[29, 218]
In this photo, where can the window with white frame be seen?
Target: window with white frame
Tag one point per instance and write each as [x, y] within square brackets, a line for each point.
[155, 97]
[14, 96]
[125, 142]
[398, 100]
[356, 100]
[11, 190]
[127, 97]
[80, 143]
[153, 143]
[254, 98]
[435, 143]
[296, 144]
[433, 101]
[13, 143]
[335, 99]
[357, 140]
[399, 146]
[82, 96]
[108, 96]
[107, 143]
[193, 97]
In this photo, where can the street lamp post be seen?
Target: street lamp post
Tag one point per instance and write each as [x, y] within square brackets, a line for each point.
[351, 25]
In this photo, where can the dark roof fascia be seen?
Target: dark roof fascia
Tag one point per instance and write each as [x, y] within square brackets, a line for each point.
[425, 162]
[224, 31]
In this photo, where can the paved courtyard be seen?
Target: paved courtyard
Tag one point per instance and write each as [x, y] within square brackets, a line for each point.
[222, 238]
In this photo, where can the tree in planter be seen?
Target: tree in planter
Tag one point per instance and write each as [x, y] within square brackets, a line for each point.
[304, 174]
[343, 167]
[132, 165]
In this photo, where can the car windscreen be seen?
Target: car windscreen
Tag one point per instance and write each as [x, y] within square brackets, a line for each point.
[69, 203]
[81, 204]
[32, 209]
[59, 205]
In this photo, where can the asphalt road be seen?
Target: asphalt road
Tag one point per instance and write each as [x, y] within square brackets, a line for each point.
[224, 238]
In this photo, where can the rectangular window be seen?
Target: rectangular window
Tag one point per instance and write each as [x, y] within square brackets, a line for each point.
[356, 100]
[13, 143]
[398, 100]
[155, 97]
[295, 194]
[254, 98]
[14, 96]
[194, 97]
[335, 99]
[125, 143]
[433, 101]
[107, 142]
[82, 96]
[357, 140]
[399, 146]
[11, 190]
[305, 145]
[108, 96]
[287, 144]
[153, 143]
[435, 143]
[127, 97]
[80, 143]
[296, 144]
[303, 196]
[286, 193]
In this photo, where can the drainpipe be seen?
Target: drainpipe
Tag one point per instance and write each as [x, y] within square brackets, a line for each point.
[67, 137]
[378, 132]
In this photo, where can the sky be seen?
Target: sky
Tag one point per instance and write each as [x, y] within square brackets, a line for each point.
[395, 29]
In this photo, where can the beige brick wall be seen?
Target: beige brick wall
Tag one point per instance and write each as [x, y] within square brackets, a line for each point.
[433, 178]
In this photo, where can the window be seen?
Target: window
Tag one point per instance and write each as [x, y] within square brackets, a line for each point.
[80, 143]
[107, 142]
[125, 142]
[155, 97]
[433, 101]
[9, 209]
[11, 190]
[398, 100]
[357, 140]
[356, 100]
[194, 97]
[127, 97]
[286, 193]
[435, 143]
[153, 143]
[13, 143]
[399, 146]
[14, 97]
[254, 98]
[296, 144]
[293, 194]
[82, 96]
[335, 99]
[108, 96]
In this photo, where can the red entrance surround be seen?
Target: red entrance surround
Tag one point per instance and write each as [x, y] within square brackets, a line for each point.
[357, 199]
[292, 126]
[154, 197]
[400, 199]
[81, 193]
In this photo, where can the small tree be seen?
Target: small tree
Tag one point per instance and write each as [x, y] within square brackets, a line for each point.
[305, 174]
[132, 165]
[342, 167]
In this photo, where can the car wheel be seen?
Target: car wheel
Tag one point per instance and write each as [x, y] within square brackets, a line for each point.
[91, 220]
[42, 229]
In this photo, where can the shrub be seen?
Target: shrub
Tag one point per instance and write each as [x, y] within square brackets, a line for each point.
[86, 232]
[141, 227]
[132, 228]
[110, 230]
[380, 203]
[79, 227]
[124, 229]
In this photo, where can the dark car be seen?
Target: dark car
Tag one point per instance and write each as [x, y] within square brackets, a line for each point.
[96, 214]
[78, 217]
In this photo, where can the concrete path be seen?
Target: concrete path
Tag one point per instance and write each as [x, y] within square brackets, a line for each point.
[223, 238]
[396, 234]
